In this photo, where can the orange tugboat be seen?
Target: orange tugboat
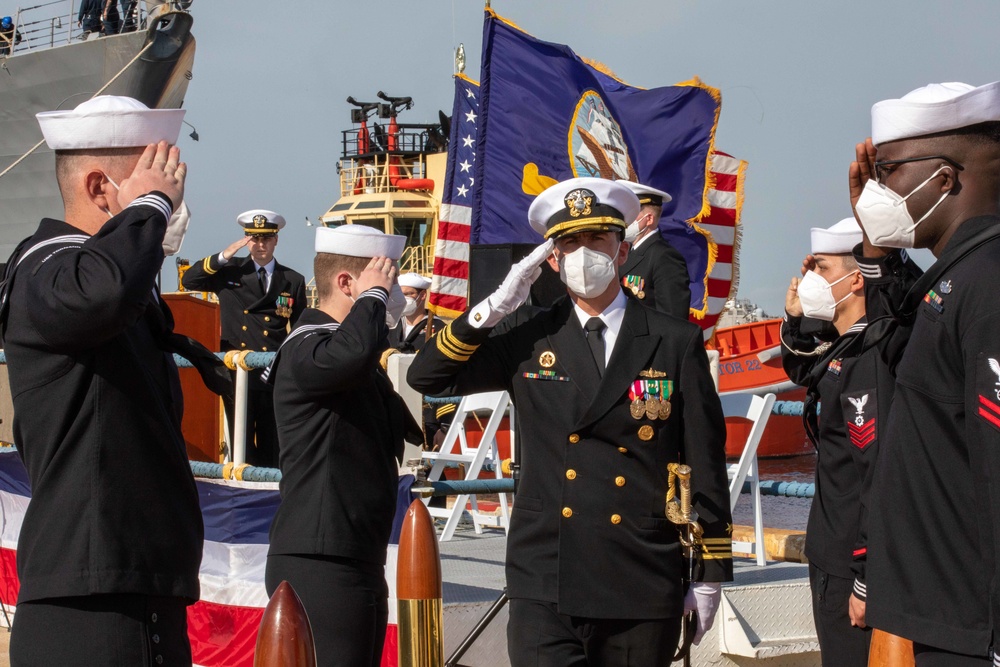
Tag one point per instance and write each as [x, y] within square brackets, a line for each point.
[750, 362]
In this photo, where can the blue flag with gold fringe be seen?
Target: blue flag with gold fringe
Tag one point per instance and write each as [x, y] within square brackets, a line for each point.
[546, 115]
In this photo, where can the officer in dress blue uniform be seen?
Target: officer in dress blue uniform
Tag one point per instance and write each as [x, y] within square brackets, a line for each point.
[654, 272]
[609, 393]
[259, 299]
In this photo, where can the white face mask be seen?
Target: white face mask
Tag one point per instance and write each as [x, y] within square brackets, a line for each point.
[394, 306]
[176, 226]
[410, 307]
[816, 296]
[884, 215]
[587, 273]
[632, 232]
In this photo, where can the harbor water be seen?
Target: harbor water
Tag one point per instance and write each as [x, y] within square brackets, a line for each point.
[779, 511]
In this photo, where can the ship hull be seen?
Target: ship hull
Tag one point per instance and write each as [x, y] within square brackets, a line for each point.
[750, 363]
[61, 78]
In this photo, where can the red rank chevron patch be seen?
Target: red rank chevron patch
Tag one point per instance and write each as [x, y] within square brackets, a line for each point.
[862, 436]
[989, 411]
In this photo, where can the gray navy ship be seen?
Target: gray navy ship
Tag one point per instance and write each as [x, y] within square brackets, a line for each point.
[56, 65]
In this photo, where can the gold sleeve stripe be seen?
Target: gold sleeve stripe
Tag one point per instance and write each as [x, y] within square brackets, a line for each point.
[720, 556]
[443, 347]
[445, 410]
[717, 540]
[207, 265]
[456, 343]
[447, 342]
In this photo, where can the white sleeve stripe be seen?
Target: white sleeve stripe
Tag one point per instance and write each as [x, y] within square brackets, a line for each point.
[157, 202]
[376, 292]
[873, 271]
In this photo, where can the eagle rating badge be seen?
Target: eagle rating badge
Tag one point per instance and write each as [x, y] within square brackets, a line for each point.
[989, 388]
[860, 418]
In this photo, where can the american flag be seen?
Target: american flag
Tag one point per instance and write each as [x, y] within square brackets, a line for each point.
[450, 284]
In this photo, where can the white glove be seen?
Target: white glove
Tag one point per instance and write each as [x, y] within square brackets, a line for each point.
[513, 291]
[176, 229]
[703, 598]
[394, 306]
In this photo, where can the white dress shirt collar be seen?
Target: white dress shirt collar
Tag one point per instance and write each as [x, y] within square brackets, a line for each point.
[613, 316]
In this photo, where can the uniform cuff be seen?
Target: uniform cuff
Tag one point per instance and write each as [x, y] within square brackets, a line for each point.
[860, 590]
[874, 268]
[379, 293]
[222, 258]
[157, 200]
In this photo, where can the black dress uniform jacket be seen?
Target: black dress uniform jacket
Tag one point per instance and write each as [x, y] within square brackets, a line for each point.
[845, 380]
[341, 428]
[932, 572]
[413, 341]
[249, 317]
[664, 273]
[97, 405]
[588, 530]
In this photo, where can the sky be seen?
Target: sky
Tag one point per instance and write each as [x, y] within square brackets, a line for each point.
[797, 79]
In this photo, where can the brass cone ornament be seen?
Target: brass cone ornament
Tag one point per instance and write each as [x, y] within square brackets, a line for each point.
[418, 591]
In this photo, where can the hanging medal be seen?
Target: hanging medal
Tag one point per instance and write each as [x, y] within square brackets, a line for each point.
[652, 402]
[666, 391]
[637, 407]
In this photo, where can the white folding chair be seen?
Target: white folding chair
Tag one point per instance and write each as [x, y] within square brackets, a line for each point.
[757, 409]
[473, 457]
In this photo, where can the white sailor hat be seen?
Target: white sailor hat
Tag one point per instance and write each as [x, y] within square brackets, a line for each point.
[583, 204]
[414, 280]
[646, 194]
[359, 241]
[839, 239]
[260, 222]
[109, 121]
[937, 107]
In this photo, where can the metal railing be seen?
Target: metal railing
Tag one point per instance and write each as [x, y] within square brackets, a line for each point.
[379, 173]
[417, 259]
[410, 139]
[55, 23]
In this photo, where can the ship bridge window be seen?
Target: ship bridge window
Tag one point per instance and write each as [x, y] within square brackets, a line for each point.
[380, 203]
[416, 230]
[374, 223]
[341, 207]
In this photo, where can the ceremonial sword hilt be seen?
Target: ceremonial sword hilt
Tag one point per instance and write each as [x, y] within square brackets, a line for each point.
[679, 511]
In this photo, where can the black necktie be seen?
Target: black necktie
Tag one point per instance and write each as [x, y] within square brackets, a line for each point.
[262, 275]
[595, 338]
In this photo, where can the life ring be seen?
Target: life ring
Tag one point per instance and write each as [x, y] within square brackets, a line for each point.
[415, 184]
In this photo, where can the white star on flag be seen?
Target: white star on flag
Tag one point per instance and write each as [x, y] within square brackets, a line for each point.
[462, 190]
[471, 116]
[467, 141]
[465, 165]
[469, 93]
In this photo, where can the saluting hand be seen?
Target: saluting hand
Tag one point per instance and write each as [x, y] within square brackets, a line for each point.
[235, 247]
[861, 171]
[160, 169]
[380, 272]
[792, 305]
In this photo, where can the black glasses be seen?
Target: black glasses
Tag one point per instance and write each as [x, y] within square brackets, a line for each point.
[881, 173]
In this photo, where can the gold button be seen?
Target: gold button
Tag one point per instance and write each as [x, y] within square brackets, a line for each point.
[616, 519]
[267, 319]
[574, 438]
[567, 512]
[246, 312]
[571, 474]
[243, 344]
[646, 432]
[619, 481]
[264, 349]
[265, 333]
[244, 327]
[623, 450]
